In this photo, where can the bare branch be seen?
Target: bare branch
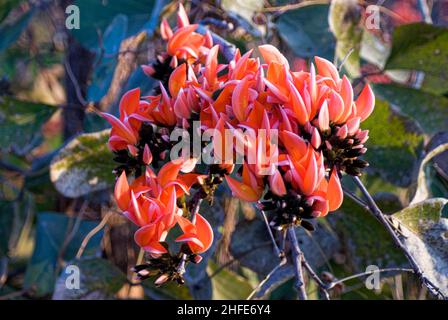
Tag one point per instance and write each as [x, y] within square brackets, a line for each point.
[276, 277]
[332, 284]
[297, 256]
[92, 232]
[433, 289]
[127, 62]
[315, 277]
[279, 253]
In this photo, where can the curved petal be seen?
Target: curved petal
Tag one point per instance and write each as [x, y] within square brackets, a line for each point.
[324, 117]
[335, 195]
[242, 191]
[122, 192]
[271, 53]
[129, 102]
[169, 172]
[182, 17]
[178, 79]
[180, 38]
[204, 232]
[295, 145]
[365, 103]
[277, 184]
[240, 99]
[120, 128]
[326, 69]
[311, 176]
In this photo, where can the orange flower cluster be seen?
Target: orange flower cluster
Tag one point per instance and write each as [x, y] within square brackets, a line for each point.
[151, 203]
[315, 114]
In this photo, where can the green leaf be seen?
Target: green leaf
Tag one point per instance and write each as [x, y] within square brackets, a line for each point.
[13, 29]
[430, 111]
[21, 122]
[51, 234]
[423, 47]
[345, 20]
[100, 279]
[423, 192]
[83, 166]
[306, 31]
[425, 231]
[394, 146]
[228, 285]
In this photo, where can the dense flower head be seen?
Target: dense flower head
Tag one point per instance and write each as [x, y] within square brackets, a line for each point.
[296, 178]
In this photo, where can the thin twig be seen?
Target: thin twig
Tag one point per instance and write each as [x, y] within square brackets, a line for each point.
[433, 289]
[92, 232]
[126, 64]
[356, 199]
[293, 6]
[279, 253]
[315, 277]
[196, 204]
[332, 284]
[297, 260]
[75, 83]
[345, 58]
[263, 283]
[73, 232]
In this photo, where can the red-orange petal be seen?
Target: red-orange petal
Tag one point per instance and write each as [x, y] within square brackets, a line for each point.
[277, 184]
[177, 80]
[130, 102]
[365, 103]
[243, 191]
[120, 128]
[122, 192]
[335, 195]
[240, 99]
[326, 68]
[204, 232]
[272, 54]
[295, 145]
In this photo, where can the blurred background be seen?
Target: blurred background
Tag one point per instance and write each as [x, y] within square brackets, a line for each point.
[61, 60]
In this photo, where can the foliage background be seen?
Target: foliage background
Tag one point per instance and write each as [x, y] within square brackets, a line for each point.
[56, 170]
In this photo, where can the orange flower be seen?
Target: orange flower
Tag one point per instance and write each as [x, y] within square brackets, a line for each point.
[124, 134]
[198, 234]
[184, 43]
[150, 202]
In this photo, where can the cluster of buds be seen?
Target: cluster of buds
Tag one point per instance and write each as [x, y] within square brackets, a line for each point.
[294, 179]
